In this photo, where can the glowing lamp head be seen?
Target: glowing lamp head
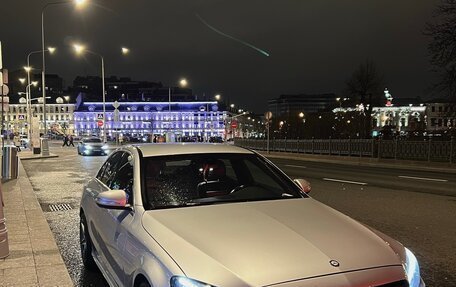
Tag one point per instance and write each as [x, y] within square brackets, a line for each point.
[51, 50]
[35, 83]
[27, 68]
[125, 50]
[22, 80]
[79, 49]
[183, 83]
[80, 3]
[232, 106]
[218, 97]
[301, 114]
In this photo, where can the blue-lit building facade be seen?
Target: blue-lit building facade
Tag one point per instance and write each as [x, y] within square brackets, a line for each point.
[174, 121]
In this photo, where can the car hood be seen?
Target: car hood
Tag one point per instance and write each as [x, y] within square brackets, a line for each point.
[265, 242]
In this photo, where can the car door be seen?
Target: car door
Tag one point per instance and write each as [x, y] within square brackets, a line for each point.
[104, 221]
[113, 222]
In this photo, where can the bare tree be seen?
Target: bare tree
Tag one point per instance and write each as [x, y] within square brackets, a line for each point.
[442, 48]
[365, 87]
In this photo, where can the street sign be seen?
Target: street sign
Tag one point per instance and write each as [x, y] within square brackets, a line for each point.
[100, 123]
[21, 117]
[234, 124]
[99, 116]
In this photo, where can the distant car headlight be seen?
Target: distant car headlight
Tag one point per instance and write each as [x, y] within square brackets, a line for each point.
[412, 269]
[105, 147]
[179, 281]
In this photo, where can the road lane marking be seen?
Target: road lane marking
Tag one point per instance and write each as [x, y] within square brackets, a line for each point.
[423, 178]
[298, 166]
[344, 181]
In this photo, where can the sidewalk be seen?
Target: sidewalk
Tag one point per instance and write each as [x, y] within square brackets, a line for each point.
[34, 258]
[366, 161]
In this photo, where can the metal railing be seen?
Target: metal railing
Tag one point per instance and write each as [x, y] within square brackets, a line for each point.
[426, 150]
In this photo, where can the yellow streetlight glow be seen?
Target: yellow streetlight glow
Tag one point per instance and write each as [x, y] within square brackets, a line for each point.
[79, 49]
[301, 114]
[51, 50]
[80, 3]
[183, 82]
[35, 83]
[125, 50]
[27, 68]
[232, 106]
[22, 80]
[218, 97]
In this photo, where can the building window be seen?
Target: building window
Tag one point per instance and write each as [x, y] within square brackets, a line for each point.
[433, 122]
[433, 108]
[440, 109]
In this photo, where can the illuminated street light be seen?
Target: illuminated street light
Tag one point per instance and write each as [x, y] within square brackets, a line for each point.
[125, 51]
[79, 4]
[301, 114]
[232, 106]
[183, 83]
[28, 95]
[22, 80]
[217, 97]
[79, 49]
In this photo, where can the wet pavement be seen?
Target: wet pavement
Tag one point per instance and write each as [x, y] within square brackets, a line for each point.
[60, 181]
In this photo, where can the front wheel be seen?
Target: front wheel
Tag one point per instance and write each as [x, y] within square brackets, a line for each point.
[85, 244]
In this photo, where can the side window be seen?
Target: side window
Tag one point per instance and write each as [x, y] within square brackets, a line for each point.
[110, 167]
[123, 179]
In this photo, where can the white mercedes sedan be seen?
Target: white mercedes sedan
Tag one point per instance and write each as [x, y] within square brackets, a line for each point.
[202, 215]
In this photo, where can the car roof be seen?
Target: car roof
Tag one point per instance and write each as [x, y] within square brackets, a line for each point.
[162, 149]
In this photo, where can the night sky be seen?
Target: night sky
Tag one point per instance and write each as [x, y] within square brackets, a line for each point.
[314, 45]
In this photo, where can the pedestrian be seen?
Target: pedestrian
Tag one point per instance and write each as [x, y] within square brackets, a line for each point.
[65, 141]
[70, 138]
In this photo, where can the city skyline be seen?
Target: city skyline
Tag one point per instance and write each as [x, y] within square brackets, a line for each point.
[168, 41]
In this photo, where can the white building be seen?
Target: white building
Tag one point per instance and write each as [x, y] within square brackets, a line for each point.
[59, 116]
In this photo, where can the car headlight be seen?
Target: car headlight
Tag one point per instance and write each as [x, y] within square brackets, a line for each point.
[412, 269]
[179, 281]
[88, 147]
[105, 147]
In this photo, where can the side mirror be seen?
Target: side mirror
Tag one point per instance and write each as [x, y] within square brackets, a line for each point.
[303, 184]
[113, 199]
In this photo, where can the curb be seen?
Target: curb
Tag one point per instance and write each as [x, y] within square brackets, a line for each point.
[38, 157]
[371, 162]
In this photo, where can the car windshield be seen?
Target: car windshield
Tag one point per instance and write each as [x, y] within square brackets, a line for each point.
[92, 140]
[201, 179]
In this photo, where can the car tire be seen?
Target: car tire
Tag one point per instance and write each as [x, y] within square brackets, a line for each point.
[85, 243]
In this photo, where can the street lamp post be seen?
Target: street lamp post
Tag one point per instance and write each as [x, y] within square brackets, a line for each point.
[43, 50]
[79, 50]
[28, 95]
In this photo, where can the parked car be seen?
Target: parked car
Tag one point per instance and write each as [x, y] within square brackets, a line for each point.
[199, 215]
[92, 146]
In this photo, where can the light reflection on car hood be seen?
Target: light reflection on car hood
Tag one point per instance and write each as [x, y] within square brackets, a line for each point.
[265, 242]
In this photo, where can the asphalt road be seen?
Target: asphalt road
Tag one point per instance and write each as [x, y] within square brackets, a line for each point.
[417, 208]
